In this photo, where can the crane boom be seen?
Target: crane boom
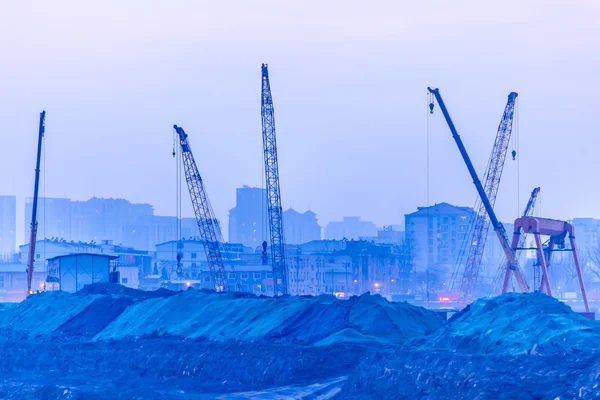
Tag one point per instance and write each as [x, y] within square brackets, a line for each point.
[498, 228]
[34, 223]
[209, 230]
[491, 183]
[273, 192]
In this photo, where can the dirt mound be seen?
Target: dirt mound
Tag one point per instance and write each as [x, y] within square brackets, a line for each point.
[516, 323]
[443, 375]
[120, 290]
[113, 312]
[42, 314]
[95, 317]
[289, 319]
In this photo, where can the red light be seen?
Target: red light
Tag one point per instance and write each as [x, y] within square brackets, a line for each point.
[444, 299]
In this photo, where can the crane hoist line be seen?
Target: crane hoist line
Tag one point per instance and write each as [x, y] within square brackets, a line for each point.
[209, 230]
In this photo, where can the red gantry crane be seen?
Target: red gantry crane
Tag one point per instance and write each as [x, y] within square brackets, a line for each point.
[34, 223]
[558, 231]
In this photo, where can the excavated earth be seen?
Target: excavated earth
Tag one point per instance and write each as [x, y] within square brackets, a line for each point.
[110, 342]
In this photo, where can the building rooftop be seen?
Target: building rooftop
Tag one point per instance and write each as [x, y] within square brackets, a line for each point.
[104, 244]
[84, 254]
[441, 208]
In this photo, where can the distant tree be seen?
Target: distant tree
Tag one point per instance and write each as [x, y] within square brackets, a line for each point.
[591, 265]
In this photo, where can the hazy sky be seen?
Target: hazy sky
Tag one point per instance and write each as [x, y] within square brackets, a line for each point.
[349, 83]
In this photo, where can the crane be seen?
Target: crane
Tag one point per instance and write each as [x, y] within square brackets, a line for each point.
[491, 184]
[36, 187]
[528, 212]
[273, 192]
[498, 228]
[209, 229]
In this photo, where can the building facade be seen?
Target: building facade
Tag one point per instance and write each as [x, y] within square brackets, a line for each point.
[300, 227]
[74, 271]
[98, 219]
[53, 217]
[346, 268]
[350, 228]
[8, 225]
[435, 236]
[248, 219]
[132, 261]
[13, 281]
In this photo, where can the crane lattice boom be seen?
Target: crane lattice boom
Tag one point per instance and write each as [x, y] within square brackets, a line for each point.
[209, 229]
[490, 186]
[273, 192]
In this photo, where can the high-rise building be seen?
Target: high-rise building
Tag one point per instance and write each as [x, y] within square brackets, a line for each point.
[435, 236]
[350, 228]
[105, 219]
[53, 217]
[300, 227]
[248, 219]
[8, 225]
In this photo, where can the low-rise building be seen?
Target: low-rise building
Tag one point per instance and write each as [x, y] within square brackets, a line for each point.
[131, 261]
[13, 281]
[74, 271]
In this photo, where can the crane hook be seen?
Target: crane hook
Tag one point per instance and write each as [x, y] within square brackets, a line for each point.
[514, 154]
[431, 107]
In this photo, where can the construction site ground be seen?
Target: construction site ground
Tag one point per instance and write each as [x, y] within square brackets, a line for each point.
[111, 342]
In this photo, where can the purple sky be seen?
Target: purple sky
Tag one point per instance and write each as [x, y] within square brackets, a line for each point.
[349, 80]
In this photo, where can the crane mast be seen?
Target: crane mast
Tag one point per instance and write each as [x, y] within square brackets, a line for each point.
[34, 223]
[498, 228]
[273, 192]
[209, 230]
[490, 186]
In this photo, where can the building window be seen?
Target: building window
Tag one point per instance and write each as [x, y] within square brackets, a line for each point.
[1, 282]
[37, 256]
[257, 275]
[123, 280]
[232, 275]
[244, 275]
[193, 255]
[193, 265]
